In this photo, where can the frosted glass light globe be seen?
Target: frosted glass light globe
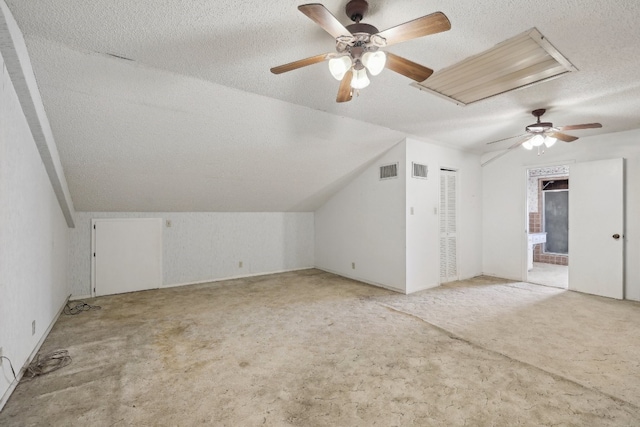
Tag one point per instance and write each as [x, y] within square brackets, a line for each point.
[360, 79]
[339, 66]
[537, 140]
[374, 61]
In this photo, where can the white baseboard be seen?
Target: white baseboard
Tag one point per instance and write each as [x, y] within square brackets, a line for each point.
[242, 276]
[424, 288]
[358, 279]
[22, 370]
[503, 276]
[470, 276]
[79, 297]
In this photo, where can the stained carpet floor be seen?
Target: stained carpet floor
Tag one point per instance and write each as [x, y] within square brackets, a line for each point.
[313, 349]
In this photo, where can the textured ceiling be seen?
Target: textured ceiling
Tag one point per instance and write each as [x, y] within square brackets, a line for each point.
[197, 122]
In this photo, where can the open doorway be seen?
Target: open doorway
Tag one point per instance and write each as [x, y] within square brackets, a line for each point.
[548, 226]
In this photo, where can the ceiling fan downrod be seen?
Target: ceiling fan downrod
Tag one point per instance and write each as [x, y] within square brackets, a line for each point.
[539, 127]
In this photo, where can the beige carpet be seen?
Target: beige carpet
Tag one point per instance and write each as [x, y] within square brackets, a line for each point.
[549, 275]
[313, 349]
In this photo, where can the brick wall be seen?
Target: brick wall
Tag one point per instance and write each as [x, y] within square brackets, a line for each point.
[539, 256]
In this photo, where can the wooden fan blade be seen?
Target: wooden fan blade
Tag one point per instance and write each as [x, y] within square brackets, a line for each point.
[430, 24]
[563, 137]
[505, 139]
[407, 68]
[344, 91]
[517, 144]
[578, 127]
[301, 63]
[321, 16]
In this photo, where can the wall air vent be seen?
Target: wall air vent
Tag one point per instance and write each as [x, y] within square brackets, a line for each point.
[419, 171]
[389, 171]
[519, 62]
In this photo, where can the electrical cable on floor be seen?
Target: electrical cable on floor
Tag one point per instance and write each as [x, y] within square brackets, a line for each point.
[43, 364]
[11, 366]
[79, 308]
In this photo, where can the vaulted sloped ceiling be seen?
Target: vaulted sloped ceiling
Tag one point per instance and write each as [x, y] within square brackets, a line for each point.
[196, 122]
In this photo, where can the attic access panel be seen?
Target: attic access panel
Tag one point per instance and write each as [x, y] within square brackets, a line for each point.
[521, 61]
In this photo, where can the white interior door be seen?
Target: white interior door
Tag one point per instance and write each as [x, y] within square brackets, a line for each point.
[127, 255]
[448, 227]
[596, 221]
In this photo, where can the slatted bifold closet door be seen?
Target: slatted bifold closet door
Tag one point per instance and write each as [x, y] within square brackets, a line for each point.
[448, 227]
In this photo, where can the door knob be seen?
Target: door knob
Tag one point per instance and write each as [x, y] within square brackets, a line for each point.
[616, 236]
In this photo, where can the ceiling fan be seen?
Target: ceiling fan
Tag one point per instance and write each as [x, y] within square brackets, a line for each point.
[358, 46]
[544, 134]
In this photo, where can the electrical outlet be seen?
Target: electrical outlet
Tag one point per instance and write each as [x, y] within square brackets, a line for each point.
[168, 222]
[353, 265]
[33, 327]
[240, 264]
[411, 210]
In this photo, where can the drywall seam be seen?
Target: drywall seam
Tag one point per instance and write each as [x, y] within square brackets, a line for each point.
[14, 383]
[16, 57]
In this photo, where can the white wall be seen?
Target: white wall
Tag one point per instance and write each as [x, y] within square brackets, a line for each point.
[33, 239]
[504, 193]
[205, 246]
[423, 228]
[365, 223]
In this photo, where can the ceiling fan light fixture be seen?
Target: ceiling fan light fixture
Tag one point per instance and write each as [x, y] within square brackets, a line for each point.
[374, 61]
[360, 79]
[339, 66]
[537, 140]
[549, 141]
[527, 145]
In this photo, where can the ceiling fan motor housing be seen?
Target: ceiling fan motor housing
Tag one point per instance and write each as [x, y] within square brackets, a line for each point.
[362, 28]
[539, 127]
[363, 39]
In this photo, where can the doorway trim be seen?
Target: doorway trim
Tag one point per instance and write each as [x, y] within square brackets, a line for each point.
[524, 242]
